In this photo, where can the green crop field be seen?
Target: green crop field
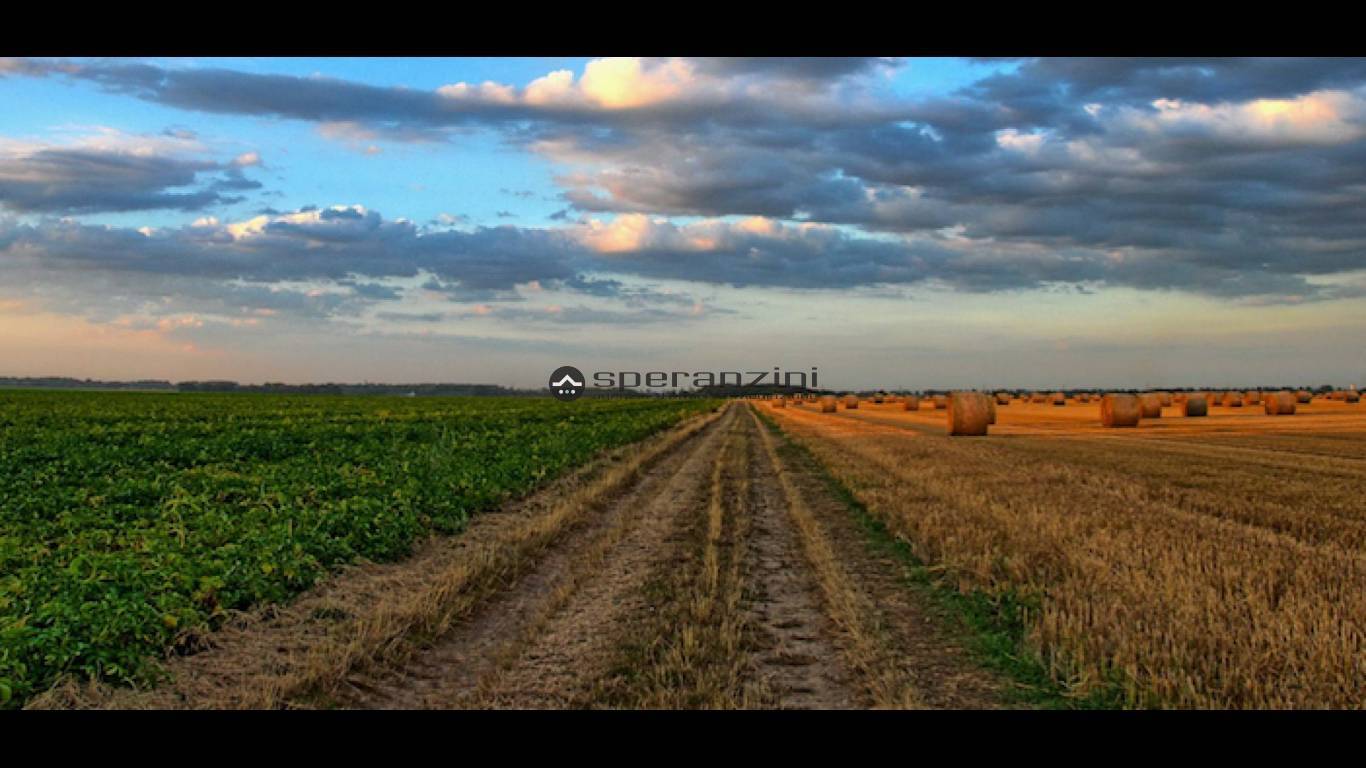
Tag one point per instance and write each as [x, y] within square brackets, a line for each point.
[127, 519]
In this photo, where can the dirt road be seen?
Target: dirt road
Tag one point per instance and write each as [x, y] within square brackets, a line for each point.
[708, 567]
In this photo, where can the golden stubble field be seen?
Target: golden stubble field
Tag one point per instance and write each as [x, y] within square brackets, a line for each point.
[1203, 562]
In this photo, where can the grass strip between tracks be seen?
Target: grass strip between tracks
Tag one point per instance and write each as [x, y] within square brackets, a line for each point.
[992, 628]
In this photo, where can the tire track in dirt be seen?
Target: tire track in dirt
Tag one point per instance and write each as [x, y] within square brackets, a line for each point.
[543, 641]
[801, 664]
[737, 620]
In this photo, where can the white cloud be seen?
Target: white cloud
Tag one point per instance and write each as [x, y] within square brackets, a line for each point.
[1321, 117]
[1024, 143]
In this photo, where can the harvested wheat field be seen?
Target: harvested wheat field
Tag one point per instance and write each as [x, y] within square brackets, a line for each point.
[1210, 562]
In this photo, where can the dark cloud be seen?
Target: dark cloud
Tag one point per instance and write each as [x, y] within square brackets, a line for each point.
[82, 180]
[1062, 82]
[404, 114]
[821, 68]
[578, 315]
[359, 251]
[412, 317]
[372, 291]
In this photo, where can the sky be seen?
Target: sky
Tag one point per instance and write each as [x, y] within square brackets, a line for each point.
[899, 223]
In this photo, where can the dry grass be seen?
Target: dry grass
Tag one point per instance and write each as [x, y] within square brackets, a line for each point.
[694, 650]
[867, 649]
[1200, 566]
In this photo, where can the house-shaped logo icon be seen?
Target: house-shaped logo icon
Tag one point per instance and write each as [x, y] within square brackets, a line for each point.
[567, 383]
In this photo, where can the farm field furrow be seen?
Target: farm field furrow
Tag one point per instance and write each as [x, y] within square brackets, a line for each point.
[1192, 595]
[134, 523]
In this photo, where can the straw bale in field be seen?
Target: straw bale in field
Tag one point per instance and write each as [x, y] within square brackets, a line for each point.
[1120, 410]
[1151, 404]
[1195, 405]
[968, 413]
[1280, 403]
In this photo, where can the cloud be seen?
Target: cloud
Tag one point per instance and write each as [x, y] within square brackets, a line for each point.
[625, 89]
[112, 172]
[817, 68]
[360, 253]
[1231, 178]
[412, 317]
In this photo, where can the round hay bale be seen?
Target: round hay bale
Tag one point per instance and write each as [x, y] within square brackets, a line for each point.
[877, 399]
[1120, 411]
[910, 403]
[1003, 398]
[851, 402]
[1036, 397]
[829, 404]
[1151, 405]
[1195, 405]
[1165, 397]
[940, 402]
[1233, 400]
[968, 413]
[1253, 398]
[1083, 398]
[780, 403]
[1280, 403]
[1303, 396]
[1058, 398]
[1351, 396]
